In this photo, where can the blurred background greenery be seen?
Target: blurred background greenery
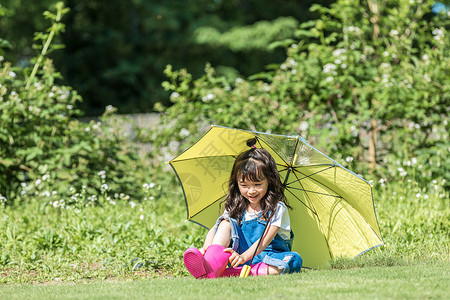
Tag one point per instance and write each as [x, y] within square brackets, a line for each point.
[115, 51]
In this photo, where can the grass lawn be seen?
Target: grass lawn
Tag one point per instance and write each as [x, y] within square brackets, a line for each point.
[411, 281]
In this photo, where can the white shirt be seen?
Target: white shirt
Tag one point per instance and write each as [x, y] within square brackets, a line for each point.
[280, 219]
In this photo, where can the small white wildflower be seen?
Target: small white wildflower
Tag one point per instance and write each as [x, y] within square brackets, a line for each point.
[402, 172]
[394, 32]
[329, 67]
[141, 217]
[45, 177]
[174, 95]
[349, 159]
[418, 195]
[304, 126]
[239, 80]
[12, 74]
[45, 194]
[109, 108]
[339, 52]
[208, 97]
[184, 133]
[37, 182]
[87, 129]
[68, 106]
[385, 54]
[132, 204]
[414, 161]
[104, 187]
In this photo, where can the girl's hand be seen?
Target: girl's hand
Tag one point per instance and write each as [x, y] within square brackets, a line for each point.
[235, 259]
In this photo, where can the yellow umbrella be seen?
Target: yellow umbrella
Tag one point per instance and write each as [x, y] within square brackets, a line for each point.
[333, 213]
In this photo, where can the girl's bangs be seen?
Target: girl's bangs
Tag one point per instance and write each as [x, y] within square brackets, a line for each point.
[251, 170]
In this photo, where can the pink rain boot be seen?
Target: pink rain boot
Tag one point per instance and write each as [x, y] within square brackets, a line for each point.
[211, 265]
[259, 269]
[217, 260]
[195, 263]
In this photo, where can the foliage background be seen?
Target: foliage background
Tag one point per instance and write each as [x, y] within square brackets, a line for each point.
[364, 81]
[116, 51]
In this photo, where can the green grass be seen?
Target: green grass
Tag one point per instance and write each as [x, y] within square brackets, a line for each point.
[412, 281]
[79, 251]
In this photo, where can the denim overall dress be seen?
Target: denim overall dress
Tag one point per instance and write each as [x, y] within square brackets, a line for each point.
[277, 254]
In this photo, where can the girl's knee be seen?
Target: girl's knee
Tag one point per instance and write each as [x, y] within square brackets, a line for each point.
[295, 263]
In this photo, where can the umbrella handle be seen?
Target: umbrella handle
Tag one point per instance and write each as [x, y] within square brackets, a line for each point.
[245, 271]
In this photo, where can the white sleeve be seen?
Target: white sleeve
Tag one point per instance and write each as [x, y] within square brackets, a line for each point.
[281, 219]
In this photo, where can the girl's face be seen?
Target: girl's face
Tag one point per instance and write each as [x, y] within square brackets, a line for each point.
[253, 191]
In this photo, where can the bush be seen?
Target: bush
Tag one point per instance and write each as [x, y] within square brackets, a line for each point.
[44, 149]
[366, 84]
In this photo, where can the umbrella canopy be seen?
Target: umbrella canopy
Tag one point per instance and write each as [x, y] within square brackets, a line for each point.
[332, 208]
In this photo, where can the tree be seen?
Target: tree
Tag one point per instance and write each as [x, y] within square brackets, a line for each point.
[366, 81]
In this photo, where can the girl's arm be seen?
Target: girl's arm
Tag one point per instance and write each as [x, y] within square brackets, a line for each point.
[236, 259]
[208, 240]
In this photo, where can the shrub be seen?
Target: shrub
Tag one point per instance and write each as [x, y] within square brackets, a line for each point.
[44, 149]
[367, 84]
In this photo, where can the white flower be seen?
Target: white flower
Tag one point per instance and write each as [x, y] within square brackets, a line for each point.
[184, 133]
[402, 172]
[141, 217]
[438, 34]
[132, 204]
[174, 95]
[102, 174]
[394, 32]
[208, 97]
[339, 52]
[304, 126]
[104, 187]
[329, 67]
[109, 108]
[329, 79]
[349, 159]
[37, 182]
[12, 74]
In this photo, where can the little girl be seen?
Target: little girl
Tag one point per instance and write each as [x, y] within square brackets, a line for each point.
[255, 197]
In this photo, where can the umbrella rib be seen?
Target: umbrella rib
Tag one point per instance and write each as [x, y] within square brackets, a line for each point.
[307, 176]
[302, 202]
[204, 208]
[200, 157]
